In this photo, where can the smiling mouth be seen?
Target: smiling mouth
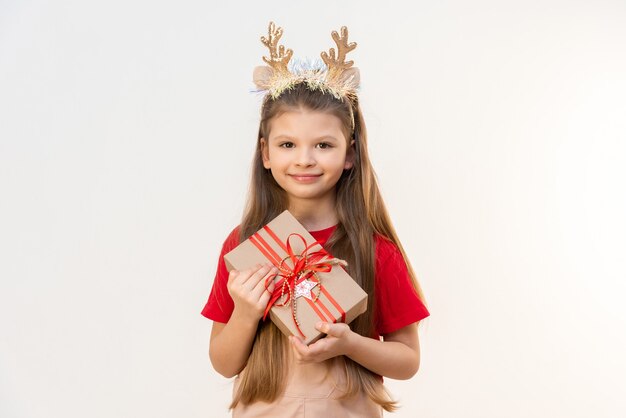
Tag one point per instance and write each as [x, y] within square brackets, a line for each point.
[304, 177]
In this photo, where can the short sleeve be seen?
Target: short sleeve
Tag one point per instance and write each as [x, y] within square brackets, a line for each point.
[219, 306]
[397, 301]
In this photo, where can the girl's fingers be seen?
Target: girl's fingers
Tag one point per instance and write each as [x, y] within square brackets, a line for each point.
[238, 277]
[251, 289]
[232, 275]
[265, 287]
[246, 275]
[297, 341]
[257, 277]
[301, 349]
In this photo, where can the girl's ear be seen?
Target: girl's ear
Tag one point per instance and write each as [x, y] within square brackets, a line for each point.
[265, 155]
[350, 155]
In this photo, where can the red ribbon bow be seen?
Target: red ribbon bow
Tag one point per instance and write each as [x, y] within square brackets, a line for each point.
[305, 266]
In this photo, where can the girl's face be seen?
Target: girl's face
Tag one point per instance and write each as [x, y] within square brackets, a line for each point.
[306, 152]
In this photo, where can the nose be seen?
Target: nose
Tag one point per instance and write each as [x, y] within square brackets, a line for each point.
[305, 157]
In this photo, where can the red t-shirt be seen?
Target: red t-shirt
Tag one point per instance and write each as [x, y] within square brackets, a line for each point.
[397, 303]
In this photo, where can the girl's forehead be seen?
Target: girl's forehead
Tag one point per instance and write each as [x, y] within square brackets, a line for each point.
[305, 123]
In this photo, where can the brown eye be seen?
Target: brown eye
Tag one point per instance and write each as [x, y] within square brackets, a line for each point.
[324, 145]
[287, 145]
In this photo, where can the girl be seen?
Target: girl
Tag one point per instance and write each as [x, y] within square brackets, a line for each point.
[311, 158]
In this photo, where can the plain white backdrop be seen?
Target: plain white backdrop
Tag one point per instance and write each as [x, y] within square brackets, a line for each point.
[497, 129]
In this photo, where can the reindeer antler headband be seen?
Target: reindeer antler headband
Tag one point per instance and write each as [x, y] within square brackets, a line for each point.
[335, 75]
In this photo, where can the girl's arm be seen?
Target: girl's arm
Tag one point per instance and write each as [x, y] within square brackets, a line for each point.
[231, 343]
[398, 357]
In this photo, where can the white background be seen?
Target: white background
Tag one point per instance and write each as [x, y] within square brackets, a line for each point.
[497, 130]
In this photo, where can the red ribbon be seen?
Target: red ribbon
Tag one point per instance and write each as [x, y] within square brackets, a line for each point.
[305, 266]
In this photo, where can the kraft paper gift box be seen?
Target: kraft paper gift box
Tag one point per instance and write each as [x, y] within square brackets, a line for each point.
[330, 296]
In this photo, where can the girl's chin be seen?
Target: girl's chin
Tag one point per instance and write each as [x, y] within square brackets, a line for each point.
[311, 195]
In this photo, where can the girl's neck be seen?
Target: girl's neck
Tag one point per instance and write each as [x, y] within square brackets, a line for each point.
[314, 214]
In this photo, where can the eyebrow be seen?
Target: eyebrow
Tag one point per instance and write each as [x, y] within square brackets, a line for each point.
[315, 139]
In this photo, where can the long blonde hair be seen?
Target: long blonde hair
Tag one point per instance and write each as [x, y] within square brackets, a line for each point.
[361, 213]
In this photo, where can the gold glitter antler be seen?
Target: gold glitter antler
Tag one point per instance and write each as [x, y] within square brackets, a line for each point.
[339, 78]
[279, 57]
[339, 64]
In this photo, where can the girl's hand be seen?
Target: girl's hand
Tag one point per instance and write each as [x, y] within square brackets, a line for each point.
[247, 288]
[338, 341]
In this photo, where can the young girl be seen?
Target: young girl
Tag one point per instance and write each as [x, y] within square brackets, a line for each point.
[312, 159]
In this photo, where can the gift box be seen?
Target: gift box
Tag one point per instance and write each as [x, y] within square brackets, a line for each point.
[311, 286]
